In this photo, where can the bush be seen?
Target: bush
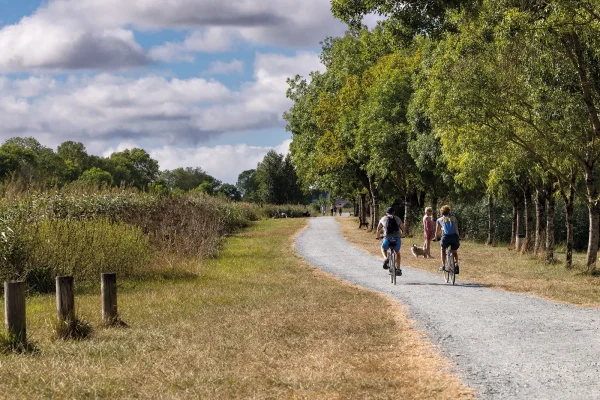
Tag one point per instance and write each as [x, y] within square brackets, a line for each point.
[83, 231]
[292, 211]
[80, 248]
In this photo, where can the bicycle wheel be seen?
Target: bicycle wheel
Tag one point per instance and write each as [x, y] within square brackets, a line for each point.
[392, 265]
[447, 269]
[452, 274]
[449, 274]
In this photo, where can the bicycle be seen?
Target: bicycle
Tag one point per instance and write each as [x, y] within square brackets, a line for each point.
[392, 268]
[449, 268]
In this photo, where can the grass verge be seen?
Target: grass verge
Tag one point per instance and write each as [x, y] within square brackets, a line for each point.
[256, 322]
[496, 267]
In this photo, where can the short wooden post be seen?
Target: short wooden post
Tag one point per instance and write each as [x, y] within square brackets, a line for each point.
[65, 298]
[14, 310]
[109, 297]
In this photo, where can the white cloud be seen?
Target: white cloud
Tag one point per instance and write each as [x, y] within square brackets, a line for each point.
[223, 162]
[225, 68]
[36, 44]
[107, 108]
[98, 34]
[210, 40]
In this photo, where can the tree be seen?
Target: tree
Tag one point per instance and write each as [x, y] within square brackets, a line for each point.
[523, 73]
[134, 167]
[407, 18]
[96, 176]
[75, 158]
[230, 191]
[277, 180]
[247, 185]
[185, 179]
[31, 161]
[209, 186]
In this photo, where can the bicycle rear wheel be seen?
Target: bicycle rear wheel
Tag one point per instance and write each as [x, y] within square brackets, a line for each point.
[447, 267]
[392, 259]
[449, 275]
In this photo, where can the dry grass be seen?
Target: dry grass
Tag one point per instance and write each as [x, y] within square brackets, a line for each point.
[497, 267]
[256, 323]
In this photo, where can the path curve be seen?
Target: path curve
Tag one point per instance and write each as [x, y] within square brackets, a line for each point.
[504, 345]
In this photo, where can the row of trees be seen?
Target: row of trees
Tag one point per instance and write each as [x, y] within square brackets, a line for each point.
[274, 181]
[457, 100]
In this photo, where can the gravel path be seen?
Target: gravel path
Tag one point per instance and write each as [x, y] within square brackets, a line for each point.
[504, 345]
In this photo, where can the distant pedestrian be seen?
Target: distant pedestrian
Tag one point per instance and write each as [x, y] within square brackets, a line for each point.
[428, 231]
[332, 211]
[323, 209]
[340, 209]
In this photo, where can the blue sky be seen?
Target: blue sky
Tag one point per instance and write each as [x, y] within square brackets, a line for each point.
[199, 83]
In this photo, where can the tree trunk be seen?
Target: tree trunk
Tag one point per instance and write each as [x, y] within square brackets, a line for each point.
[551, 211]
[406, 215]
[434, 206]
[594, 213]
[515, 218]
[375, 205]
[421, 198]
[592, 253]
[528, 246]
[490, 239]
[519, 226]
[540, 222]
[569, 207]
[363, 210]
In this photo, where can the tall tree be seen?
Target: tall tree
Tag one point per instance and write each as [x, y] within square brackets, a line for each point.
[277, 180]
[75, 158]
[134, 167]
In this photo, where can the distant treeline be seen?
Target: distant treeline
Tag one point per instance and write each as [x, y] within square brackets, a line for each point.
[25, 160]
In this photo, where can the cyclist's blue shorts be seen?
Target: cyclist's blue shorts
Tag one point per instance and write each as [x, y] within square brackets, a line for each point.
[386, 244]
[451, 241]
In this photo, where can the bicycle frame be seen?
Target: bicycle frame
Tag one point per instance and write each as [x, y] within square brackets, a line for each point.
[392, 262]
[449, 273]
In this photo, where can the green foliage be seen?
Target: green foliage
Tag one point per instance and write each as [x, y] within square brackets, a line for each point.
[84, 249]
[277, 180]
[82, 232]
[185, 179]
[97, 177]
[248, 186]
[134, 167]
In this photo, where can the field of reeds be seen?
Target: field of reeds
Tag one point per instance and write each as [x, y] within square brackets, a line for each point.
[83, 232]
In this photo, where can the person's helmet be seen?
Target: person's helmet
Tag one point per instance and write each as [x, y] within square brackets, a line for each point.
[390, 210]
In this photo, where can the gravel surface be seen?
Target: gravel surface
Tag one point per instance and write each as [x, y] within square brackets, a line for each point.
[504, 345]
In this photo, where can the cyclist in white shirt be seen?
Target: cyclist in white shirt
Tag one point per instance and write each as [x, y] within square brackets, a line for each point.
[392, 233]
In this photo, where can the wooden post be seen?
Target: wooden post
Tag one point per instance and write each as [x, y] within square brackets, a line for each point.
[109, 297]
[65, 298]
[14, 310]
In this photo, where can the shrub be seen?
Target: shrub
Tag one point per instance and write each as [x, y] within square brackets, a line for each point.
[291, 210]
[81, 248]
[83, 231]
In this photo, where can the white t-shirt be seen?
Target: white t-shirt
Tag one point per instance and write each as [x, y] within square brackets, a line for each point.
[384, 222]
